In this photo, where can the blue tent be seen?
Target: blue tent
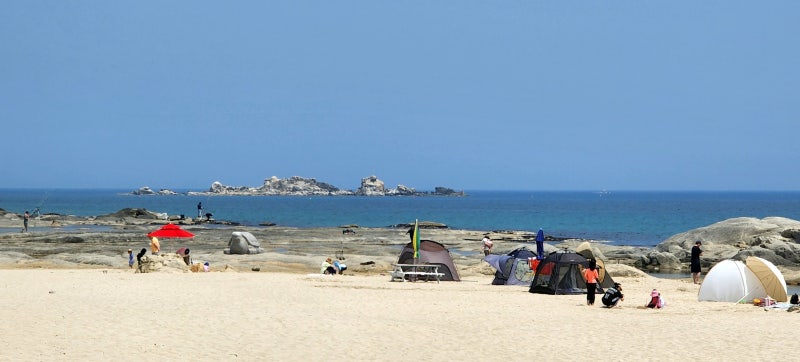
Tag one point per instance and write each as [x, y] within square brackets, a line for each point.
[512, 268]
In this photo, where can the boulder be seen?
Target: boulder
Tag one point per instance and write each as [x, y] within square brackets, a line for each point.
[625, 271]
[663, 261]
[773, 238]
[134, 213]
[162, 263]
[144, 190]
[371, 186]
[401, 190]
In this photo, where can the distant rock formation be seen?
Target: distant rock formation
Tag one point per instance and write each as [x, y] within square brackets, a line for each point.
[299, 186]
[371, 186]
[145, 190]
[293, 186]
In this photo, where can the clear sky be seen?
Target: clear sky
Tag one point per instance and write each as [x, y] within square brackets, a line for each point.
[472, 95]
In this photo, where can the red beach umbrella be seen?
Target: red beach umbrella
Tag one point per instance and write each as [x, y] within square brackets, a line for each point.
[170, 231]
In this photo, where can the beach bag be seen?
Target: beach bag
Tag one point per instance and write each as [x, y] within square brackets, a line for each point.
[794, 299]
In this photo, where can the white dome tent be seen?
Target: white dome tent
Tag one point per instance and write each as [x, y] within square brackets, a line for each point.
[734, 281]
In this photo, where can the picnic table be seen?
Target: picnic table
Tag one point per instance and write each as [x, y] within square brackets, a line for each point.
[415, 272]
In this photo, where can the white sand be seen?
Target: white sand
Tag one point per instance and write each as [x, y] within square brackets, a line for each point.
[118, 315]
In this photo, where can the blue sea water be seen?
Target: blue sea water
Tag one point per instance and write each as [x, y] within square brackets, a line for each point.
[620, 217]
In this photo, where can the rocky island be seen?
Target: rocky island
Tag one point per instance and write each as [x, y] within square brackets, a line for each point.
[299, 186]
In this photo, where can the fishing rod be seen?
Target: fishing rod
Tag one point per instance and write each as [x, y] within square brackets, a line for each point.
[37, 212]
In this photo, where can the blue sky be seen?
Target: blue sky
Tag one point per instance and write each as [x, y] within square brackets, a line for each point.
[473, 95]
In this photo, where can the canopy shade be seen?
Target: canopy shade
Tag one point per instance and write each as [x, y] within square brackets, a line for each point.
[170, 231]
[770, 277]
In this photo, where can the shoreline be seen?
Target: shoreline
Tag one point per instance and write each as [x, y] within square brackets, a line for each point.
[102, 242]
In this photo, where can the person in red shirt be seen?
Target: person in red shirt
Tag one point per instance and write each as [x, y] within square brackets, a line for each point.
[590, 275]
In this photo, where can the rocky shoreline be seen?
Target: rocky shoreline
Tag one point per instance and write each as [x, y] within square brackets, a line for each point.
[101, 242]
[299, 186]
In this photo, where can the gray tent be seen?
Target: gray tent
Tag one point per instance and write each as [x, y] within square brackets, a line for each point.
[512, 269]
[243, 242]
[431, 252]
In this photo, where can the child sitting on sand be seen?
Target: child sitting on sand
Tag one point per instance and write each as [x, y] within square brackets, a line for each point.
[655, 300]
[339, 266]
[327, 267]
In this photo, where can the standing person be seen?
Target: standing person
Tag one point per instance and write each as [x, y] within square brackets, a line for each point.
[155, 246]
[130, 258]
[695, 264]
[25, 217]
[487, 245]
[139, 259]
[199, 209]
[591, 275]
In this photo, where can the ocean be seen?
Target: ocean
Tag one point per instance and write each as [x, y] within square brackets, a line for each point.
[619, 217]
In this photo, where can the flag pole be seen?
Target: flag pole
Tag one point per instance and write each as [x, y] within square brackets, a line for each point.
[415, 241]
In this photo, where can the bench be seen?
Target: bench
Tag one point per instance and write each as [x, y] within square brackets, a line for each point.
[416, 271]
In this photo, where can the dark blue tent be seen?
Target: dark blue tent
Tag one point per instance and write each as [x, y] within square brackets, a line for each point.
[561, 273]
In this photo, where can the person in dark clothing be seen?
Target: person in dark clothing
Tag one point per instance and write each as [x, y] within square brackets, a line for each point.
[139, 258]
[613, 296]
[695, 262]
[25, 217]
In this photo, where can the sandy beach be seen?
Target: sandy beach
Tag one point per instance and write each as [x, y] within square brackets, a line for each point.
[120, 315]
[69, 295]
